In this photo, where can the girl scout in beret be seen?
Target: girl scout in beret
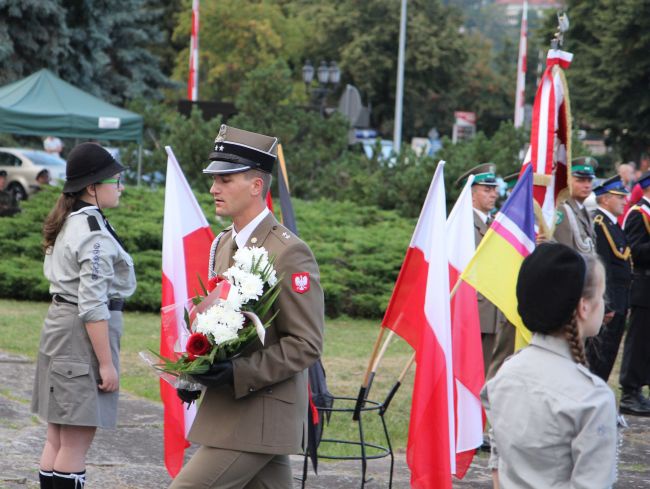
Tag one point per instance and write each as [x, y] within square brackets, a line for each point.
[553, 421]
[90, 274]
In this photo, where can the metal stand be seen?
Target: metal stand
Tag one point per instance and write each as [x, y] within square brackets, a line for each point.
[386, 451]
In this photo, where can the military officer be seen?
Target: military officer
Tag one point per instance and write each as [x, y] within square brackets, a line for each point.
[484, 196]
[613, 249]
[635, 367]
[254, 409]
[573, 226]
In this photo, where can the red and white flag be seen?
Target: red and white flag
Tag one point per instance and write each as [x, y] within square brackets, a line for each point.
[521, 68]
[466, 333]
[186, 248]
[550, 135]
[193, 79]
[419, 312]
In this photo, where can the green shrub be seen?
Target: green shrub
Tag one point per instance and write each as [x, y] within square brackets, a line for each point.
[359, 248]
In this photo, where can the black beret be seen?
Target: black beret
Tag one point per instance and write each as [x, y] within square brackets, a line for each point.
[86, 164]
[549, 287]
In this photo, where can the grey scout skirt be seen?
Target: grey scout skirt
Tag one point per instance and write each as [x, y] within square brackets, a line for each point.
[67, 371]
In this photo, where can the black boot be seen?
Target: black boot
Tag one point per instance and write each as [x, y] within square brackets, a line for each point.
[69, 480]
[45, 477]
[634, 403]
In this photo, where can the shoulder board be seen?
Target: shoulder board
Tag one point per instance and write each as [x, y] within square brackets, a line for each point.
[283, 233]
[93, 224]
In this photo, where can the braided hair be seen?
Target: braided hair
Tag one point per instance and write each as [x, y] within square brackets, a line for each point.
[570, 330]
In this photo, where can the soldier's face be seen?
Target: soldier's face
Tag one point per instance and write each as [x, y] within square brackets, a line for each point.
[614, 203]
[580, 187]
[484, 197]
[231, 194]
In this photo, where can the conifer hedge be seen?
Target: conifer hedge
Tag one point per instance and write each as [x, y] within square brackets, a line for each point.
[359, 248]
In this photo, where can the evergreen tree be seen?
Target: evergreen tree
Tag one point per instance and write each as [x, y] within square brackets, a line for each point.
[109, 43]
[33, 35]
[609, 77]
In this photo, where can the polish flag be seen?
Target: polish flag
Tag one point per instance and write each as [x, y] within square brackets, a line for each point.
[193, 79]
[419, 312]
[186, 248]
[466, 333]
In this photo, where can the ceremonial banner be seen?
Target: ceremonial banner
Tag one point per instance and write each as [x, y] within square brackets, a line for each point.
[550, 139]
[193, 78]
[521, 68]
[419, 312]
[495, 266]
[186, 247]
[466, 333]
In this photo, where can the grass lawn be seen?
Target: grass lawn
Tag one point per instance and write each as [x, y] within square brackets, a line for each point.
[348, 344]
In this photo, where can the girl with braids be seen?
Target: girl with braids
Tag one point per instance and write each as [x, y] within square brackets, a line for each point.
[553, 421]
[90, 274]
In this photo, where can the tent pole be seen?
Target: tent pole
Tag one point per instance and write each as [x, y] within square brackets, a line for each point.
[139, 164]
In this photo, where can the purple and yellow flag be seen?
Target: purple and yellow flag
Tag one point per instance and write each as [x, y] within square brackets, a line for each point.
[494, 268]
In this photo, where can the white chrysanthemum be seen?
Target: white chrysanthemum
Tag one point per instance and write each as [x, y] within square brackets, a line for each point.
[249, 286]
[220, 321]
[245, 258]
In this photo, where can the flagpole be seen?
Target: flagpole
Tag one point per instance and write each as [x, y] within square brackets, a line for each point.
[521, 67]
[364, 386]
[399, 90]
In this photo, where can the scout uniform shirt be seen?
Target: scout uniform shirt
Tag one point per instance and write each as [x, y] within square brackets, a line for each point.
[554, 422]
[86, 267]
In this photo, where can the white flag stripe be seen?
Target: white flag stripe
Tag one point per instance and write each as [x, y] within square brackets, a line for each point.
[516, 231]
[469, 410]
[460, 223]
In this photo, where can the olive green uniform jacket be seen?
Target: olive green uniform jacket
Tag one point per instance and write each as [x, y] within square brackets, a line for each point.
[265, 411]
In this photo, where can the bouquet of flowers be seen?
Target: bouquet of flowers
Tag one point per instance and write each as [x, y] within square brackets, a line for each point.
[226, 319]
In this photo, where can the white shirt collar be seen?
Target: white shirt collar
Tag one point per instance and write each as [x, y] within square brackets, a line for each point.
[611, 216]
[482, 215]
[241, 237]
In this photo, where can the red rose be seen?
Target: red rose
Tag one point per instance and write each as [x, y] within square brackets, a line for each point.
[214, 281]
[197, 344]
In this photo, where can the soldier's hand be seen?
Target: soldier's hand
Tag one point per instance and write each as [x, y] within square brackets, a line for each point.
[108, 378]
[220, 373]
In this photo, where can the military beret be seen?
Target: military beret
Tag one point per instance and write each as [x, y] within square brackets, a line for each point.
[549, 287]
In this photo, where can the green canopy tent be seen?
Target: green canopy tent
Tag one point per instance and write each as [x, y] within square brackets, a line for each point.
[44, 105]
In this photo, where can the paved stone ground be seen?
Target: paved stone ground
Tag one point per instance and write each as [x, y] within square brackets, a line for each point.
[131, 457]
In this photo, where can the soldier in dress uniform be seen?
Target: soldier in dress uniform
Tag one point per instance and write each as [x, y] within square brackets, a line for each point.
[254, 410]
[554, 422]
[484, 196]
[635, 367]
[613, 249]
[90, 275]
[573, 226]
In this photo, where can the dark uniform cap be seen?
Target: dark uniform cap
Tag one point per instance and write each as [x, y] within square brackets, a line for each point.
[612, 185]
[511, 180]
[644, 180]
[550, 267]
[3, 173]
[584, 167]
[484, 174]
[88, 163]
[236, 150]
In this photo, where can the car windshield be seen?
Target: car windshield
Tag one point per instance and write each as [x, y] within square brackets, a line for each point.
[43, 158]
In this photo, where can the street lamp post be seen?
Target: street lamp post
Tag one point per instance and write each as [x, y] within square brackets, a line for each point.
[328, 76]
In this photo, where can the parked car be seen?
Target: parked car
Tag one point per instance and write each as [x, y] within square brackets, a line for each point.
[23, 166]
